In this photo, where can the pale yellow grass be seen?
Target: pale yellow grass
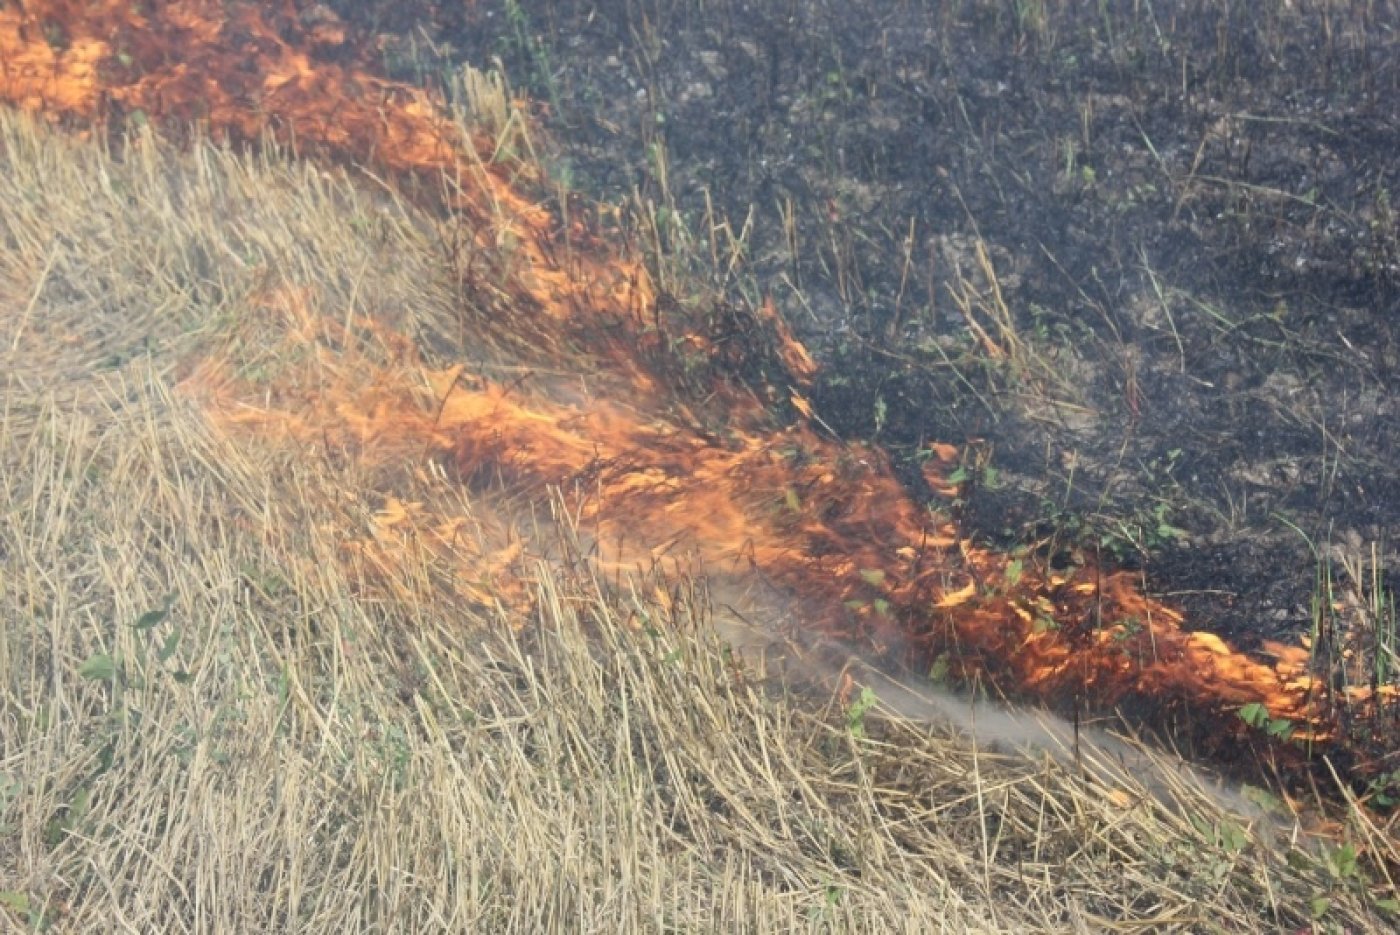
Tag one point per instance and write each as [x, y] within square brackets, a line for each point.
[334, 727]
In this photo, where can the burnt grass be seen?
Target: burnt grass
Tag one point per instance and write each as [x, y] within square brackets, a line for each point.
[1188, 210]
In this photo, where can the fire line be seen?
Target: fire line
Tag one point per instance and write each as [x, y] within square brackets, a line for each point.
[739, 473]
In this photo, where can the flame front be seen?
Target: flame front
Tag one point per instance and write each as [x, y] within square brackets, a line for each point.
[737, 473]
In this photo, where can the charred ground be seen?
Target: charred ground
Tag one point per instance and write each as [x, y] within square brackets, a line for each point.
[1141, 258]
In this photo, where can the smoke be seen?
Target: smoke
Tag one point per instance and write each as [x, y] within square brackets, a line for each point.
[764, 626]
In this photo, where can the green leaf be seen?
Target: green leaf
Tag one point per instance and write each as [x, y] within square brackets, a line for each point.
[1013, 573]
[15, 901]
[9, 789]
[1262, 798]
[100, 667]
[78, 808]
[873, 576]
[855, 715]
[1319, 906]
[167, 648]
[1254, 714]
[1343, 861]
[1233, 838]
[1299, 861]
[151, 617]
[794, 503]
[1168, 531]
[1389, 906]
[938, 672]
[958, 476]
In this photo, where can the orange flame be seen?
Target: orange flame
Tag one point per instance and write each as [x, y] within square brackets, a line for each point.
[718, 474]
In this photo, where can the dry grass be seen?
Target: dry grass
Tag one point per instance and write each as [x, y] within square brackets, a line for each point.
[237, 698]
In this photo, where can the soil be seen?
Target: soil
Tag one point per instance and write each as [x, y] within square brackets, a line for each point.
[1140, 258]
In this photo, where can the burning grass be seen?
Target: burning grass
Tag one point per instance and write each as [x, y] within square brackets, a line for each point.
[361, 402]
[303, 677]
[673, 427]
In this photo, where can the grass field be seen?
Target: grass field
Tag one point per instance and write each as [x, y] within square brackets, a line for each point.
[275, 673]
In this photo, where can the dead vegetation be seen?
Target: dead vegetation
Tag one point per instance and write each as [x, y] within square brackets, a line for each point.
[252, 683]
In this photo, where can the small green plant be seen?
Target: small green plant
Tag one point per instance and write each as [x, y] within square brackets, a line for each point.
[9, 791]
[34, 913]
[1341, 861]
[1231, 837]
[823, 911]
[1383, 791]
[1257, 716]
[1262, 798]
[855, 714]
[532, 50]
[1380, 614]
[1127, 628]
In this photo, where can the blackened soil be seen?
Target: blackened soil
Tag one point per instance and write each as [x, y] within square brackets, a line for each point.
[1189, 209]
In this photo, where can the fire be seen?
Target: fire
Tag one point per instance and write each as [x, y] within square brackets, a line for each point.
[740, 475]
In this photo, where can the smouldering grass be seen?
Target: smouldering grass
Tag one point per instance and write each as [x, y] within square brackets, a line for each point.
[241, 692]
